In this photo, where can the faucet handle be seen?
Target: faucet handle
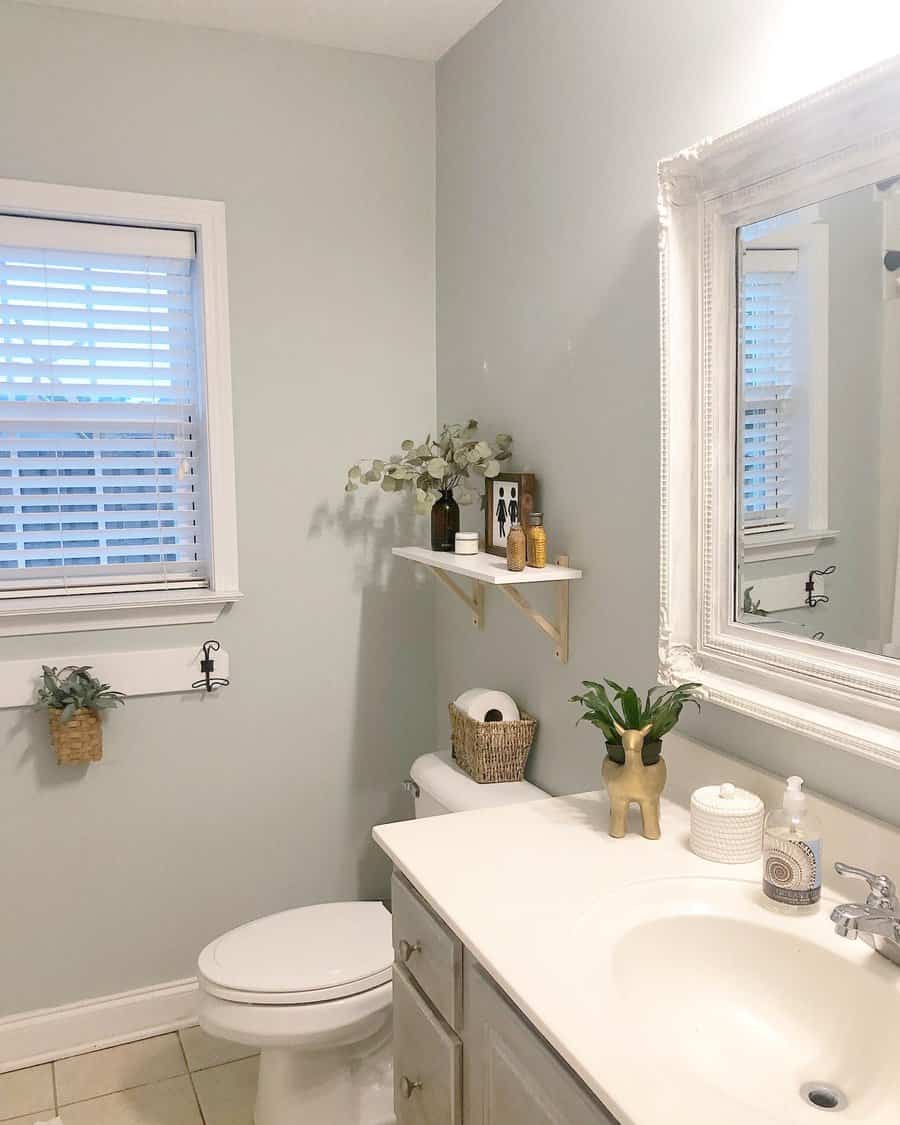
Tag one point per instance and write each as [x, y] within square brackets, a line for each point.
[882, 891]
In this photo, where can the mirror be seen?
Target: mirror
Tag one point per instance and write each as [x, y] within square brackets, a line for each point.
[817, 473]
[780, 417]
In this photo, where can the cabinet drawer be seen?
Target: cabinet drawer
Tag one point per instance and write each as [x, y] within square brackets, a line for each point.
[427, 1063]
[431, 953]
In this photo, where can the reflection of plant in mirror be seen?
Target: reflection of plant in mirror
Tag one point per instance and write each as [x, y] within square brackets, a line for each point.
[438, 463]
[658, 711]
[74, 689]
[751, 606]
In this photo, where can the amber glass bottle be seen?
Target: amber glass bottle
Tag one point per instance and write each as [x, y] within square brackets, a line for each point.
[515, 548]
[537, 540]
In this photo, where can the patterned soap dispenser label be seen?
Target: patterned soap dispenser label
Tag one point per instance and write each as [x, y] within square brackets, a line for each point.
[792, 870]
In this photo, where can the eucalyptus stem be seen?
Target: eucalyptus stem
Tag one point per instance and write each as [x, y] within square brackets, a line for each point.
[446, 461]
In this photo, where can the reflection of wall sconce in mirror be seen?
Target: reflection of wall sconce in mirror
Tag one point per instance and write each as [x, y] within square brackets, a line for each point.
[812, 598]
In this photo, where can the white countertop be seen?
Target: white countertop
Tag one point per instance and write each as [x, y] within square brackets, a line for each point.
[522, 886]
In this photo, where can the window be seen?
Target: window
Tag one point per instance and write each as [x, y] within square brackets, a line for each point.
[773, 362]
[116, 485]
[783, 321]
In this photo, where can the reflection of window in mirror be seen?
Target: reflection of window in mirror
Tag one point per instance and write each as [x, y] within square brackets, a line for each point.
[783, 350]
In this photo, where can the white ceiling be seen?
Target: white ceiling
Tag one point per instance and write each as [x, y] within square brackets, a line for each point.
[417, 29]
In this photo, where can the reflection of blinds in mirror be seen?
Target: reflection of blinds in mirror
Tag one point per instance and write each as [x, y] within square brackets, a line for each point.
[769, 297]
[99, 390]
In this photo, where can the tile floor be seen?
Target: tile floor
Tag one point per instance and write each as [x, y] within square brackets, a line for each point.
[183, 1078]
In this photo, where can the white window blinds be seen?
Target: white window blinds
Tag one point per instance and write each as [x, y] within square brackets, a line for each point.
[99, 410]
[768, 311]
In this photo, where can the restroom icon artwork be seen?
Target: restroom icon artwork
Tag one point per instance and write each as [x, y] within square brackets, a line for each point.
[506, 512]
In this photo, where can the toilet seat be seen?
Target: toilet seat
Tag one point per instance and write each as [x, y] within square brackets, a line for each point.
[301, 956]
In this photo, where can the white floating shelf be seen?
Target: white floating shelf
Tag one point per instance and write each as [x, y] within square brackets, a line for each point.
[487, 568]
[490, 570]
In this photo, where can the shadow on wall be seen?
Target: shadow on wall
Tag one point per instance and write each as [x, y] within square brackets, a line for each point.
[393, 687]
[363, 528]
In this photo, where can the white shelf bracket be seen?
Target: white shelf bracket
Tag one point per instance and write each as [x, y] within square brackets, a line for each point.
[475, 603]
[559, 633]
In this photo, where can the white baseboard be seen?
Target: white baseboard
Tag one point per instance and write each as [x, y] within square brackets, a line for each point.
[52, 1033]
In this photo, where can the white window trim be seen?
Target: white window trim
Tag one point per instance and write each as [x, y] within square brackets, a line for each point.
[812, 239]
[206, 218]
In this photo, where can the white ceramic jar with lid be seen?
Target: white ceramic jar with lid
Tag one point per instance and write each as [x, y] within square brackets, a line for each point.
[726, 824]
[466, 543]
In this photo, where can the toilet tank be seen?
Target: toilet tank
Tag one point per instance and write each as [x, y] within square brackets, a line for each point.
[440, 786]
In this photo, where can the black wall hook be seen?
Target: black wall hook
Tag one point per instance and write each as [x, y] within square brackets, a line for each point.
[207, 667]
[813, 599]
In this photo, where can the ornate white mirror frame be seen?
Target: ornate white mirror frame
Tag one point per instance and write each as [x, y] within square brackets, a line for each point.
[840, 139]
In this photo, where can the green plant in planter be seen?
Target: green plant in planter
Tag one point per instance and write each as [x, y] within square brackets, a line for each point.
[660, 710]
[74, 689]
[443, 462]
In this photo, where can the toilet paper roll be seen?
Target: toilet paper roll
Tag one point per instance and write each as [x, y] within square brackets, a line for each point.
[486, 705]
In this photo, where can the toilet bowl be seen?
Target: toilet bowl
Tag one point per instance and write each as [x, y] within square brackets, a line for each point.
[311, 987]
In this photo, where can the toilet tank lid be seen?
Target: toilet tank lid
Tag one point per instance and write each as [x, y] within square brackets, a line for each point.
[440, 778]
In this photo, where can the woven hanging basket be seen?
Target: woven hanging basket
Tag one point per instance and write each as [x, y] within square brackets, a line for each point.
[491, 752]
[78, 740]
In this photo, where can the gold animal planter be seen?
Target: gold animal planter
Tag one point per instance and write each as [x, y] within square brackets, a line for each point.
[634, 782]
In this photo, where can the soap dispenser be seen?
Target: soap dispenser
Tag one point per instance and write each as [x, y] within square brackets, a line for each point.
[792, 852]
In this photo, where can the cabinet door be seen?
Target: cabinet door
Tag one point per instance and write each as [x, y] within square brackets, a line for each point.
[510, 1075]
[427, 1076]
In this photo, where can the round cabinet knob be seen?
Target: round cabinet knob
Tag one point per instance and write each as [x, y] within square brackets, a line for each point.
[405, 950]
[408, 1087]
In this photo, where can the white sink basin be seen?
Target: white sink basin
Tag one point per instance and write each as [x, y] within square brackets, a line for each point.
[709, 982]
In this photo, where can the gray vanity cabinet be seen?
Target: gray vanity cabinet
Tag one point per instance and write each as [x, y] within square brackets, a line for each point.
[511, 1076]
[463, 1054]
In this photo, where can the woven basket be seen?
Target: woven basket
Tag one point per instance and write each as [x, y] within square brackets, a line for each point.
[491, 752]
[78, 740]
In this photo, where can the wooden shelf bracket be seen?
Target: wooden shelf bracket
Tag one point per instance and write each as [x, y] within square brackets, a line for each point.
[475, 603]
[491, 570]
[558, 633]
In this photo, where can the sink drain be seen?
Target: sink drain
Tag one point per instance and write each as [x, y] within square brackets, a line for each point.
[822, 1096]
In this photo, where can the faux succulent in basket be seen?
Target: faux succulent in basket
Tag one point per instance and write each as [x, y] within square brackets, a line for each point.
[660, 709]
[74, 700]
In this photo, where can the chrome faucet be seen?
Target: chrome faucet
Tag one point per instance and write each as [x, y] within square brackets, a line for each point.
[877, 920]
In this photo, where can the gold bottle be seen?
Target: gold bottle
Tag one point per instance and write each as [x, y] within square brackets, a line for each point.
[515, 548]
[537, 540]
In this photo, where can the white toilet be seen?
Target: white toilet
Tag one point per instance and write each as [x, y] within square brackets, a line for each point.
[311, 987]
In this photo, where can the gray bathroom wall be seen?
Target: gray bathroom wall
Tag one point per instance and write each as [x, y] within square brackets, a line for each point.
[207, 812]
[552, 115]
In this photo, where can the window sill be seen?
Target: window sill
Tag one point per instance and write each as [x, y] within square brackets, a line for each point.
[22, 617]
[764, 546]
